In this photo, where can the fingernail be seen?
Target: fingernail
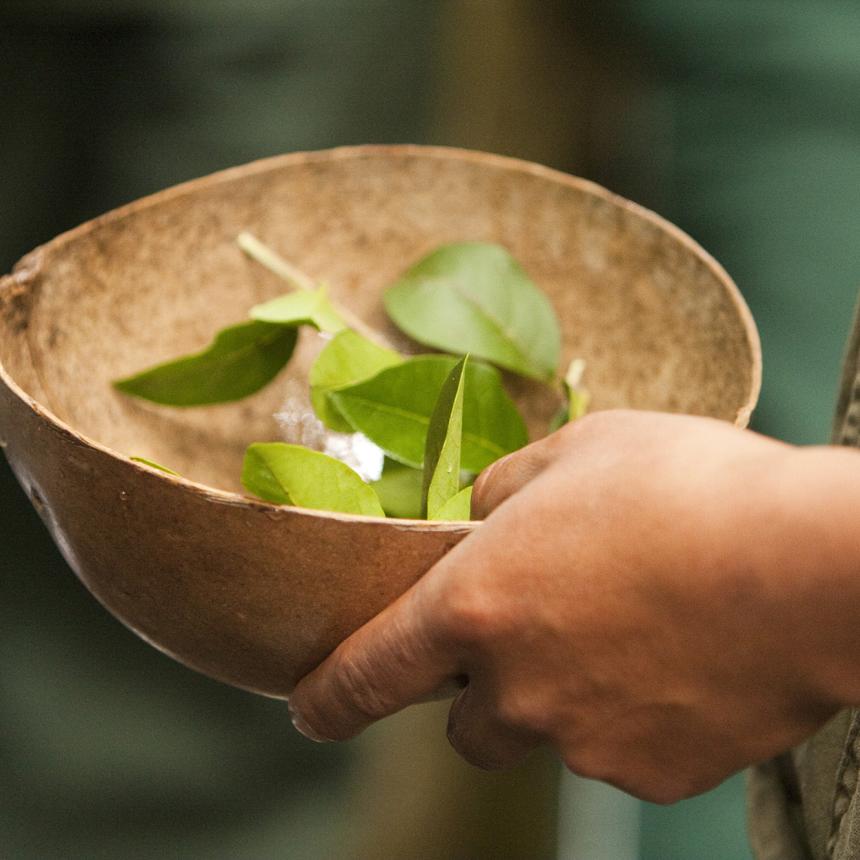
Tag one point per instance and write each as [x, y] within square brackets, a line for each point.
[303, 728]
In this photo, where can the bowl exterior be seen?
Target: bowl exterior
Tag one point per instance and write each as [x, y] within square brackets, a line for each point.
[247, 593]
[253, 594]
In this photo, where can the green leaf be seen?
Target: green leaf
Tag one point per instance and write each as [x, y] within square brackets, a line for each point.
[347, 359]
[458, 507]
[154, 465]
[241, 360]
[577, 403]
[393, 410]
[294, 475]
[443, 445]
[559, 419]
[399, 490]
[302, 307]
[576, 396]
[474, 297]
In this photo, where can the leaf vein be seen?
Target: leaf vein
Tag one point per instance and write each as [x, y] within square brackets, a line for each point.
[418, 418]
[500, 327]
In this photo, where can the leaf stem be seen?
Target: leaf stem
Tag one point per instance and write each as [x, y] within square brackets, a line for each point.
[275, 263]
[298, 280]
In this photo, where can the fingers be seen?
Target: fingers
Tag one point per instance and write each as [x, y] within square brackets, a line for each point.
[505, 477]
[478, 733]
[393, 661]
[414, 649]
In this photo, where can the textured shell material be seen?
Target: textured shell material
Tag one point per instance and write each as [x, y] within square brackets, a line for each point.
[251, 593]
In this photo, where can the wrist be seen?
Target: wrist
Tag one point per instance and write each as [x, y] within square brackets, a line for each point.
[816, 569]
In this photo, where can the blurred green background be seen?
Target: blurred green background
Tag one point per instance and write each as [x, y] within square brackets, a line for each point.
[736, 119]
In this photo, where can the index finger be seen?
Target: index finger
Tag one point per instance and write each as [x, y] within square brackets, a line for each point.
[397, 659]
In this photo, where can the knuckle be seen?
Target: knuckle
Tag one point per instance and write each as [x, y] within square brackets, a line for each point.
[522, 713]
[354, 688]
[470, 618]
[644, 779]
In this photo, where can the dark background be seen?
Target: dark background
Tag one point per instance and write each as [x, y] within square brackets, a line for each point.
[736, 119]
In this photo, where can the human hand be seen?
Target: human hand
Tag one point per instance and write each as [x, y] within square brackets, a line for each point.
[638, 596]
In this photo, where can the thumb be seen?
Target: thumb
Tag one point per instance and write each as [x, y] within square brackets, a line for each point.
[506, 476]
[397, 659]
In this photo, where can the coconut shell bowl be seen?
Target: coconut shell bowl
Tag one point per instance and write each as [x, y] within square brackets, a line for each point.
[256, 594]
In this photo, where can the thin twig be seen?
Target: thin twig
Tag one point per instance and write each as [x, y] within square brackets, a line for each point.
[298, 280]
[276, 264]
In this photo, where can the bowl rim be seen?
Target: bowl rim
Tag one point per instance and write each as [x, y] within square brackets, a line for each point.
[27, 270]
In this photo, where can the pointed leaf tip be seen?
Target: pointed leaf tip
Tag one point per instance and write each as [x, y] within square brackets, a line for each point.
[443, 447]
[241, 360]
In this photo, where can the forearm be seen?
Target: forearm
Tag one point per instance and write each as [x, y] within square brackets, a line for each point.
[814, 548]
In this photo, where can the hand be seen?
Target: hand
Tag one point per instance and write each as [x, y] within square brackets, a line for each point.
[642, 595]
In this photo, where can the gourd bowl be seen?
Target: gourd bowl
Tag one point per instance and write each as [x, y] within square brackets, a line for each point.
[256, 594]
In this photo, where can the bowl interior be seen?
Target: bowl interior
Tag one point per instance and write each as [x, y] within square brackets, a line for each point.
[658, 322]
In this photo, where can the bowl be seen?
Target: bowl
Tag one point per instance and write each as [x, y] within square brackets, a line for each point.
[252, 593]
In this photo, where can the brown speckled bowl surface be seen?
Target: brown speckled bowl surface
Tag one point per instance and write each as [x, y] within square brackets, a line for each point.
[255, 594]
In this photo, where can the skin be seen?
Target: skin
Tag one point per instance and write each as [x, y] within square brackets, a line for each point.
[663, 599]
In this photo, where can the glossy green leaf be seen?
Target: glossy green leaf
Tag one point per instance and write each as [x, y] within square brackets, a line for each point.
[457, 508]
[474, 297]
[153, 465]
[241, 360]
[393, 410]
[347, 359]
[294, 475]
[443, 445]
[399, 490]
[301, 307]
